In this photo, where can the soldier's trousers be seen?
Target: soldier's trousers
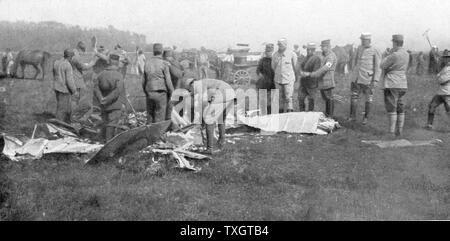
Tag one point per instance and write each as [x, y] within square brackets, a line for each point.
[286, 96]
[63, 106]
[435, 103]
[358, 89]
[111, 121]
[393, 100]
[306, 93]
[327, 96]
[204, 72]
[156, 106]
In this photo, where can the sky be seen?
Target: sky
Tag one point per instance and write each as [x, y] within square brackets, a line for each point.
[219, 24]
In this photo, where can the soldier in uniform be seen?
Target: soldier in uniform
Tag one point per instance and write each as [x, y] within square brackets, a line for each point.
[308, 85]
[265, 74]
[216, 98]
[433, 64]
[157, 85]
[443, 94]
[176, 74]
[364, 77]
[64, 86]
[82, 101]
[109, 89]
[326, 76]
[284, 63]
[395, 84]
[203, 63]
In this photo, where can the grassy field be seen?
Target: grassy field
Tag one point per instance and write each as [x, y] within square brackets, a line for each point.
[334, 177]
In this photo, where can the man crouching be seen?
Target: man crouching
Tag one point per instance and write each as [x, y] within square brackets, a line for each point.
[216, 98]
[110, 91]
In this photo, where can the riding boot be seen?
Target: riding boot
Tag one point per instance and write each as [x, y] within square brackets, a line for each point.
[331, 114]
[366, 112]
[392, 123]
[327, 108]
[430, 121]
[400, 123]
[209, 138]
[353, 109]
[301, 106]
[221, 140]
[311, 105]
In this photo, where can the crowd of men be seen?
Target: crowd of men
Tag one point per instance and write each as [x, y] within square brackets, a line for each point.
[280, 69]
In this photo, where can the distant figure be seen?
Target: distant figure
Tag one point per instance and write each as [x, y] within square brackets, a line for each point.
[395, 85]
[433, 66]
[420, 64]
[410, 63]
[109, 89]
[7, 62]
[443, 94]
[284, 62]
[64, 86]
[203, 63]
[227, 65]
[103, 62]
[124, 60]
[157, 85]
[297, 52]
[266, 74]
[140, 62]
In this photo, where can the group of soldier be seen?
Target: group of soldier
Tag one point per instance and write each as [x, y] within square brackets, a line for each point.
[315, 73]
[162, 74]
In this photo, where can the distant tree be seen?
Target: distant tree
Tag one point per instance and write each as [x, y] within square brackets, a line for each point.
[54, 37]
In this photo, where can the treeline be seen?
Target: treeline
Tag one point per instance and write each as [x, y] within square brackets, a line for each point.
[54, 37]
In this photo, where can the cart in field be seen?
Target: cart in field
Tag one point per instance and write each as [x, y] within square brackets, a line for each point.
[243, 69]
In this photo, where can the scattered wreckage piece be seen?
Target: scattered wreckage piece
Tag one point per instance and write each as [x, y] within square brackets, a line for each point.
[402, 143]
[33, 149]
[130, 141]
[293, 122]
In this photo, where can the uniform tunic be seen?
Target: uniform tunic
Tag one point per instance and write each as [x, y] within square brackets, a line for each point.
[64, 87]
[109, 89]
[157, 87]
[394, 67]
[326, 71]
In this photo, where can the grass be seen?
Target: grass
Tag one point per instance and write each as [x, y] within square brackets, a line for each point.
[334, 177]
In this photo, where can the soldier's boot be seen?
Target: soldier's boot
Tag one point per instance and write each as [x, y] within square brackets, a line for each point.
[430, 121]
[353, 109]
[301, 105]
[209, 138]
[392, 123]
[400, 124]
[311, 104]
[331, 113]
[221, 140]
[366, 113]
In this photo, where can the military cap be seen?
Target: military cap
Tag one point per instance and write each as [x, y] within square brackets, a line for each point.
[114, 56]
[158, 47]
[68, 53]
[310, 46]
[282, 41]
[397, 37]
[365, 36]
[326, 42]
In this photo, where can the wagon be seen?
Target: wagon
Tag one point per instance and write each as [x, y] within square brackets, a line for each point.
[243, 69]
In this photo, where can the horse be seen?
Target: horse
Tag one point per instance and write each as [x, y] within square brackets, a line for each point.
[34, 58]
[344, 56]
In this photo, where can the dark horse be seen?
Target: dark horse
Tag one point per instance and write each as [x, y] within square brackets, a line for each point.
[34, 58]
[344, 56]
